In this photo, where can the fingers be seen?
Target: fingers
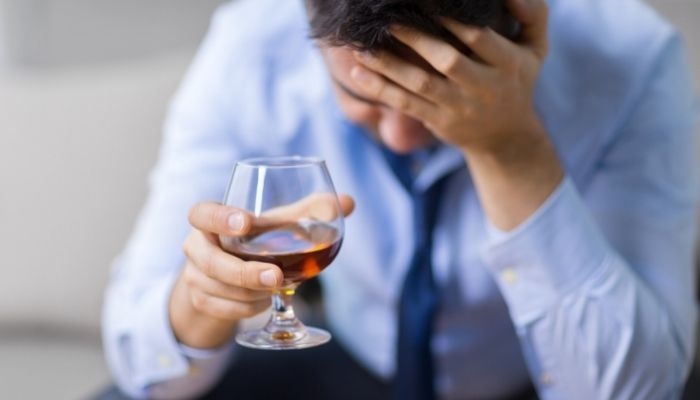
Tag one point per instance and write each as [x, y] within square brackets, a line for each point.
[225, 309]
[534, 16]
[222, 301]
[417, 80]
[442, 57]
[324, 207]
[382, 90]
[347, 204]
[319, 206]
[194, 277]
[230, 270]
[486, 44]
[219, 219]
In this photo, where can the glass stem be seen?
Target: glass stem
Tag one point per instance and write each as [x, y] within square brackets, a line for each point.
[283, 324]
[282, 309]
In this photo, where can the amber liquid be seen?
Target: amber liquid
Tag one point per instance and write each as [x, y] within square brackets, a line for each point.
[301, 250]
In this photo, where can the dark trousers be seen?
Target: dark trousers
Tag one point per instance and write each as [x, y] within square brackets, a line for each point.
[322, 373]
[325, 372]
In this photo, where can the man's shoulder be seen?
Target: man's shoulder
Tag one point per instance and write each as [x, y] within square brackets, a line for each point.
[267, 70]
[627, 34]
[261, 24]
[603, 55]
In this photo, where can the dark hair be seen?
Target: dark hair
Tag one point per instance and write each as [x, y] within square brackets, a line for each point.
[364, 24]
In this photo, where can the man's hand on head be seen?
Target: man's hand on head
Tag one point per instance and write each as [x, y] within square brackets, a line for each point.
[480, 103]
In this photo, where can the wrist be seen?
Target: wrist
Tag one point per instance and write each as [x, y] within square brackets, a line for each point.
[513, 180]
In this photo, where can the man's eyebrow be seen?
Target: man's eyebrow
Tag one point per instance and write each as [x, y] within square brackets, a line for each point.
[354, 95]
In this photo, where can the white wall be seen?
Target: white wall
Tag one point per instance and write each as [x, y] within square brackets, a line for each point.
[50, 33]
[81, 108]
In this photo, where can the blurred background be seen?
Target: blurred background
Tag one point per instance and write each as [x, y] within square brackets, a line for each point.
[84, 87]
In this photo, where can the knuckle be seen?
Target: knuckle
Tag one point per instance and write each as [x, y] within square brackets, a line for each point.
[189, 276]
[478, 36]
[212, 218]
[423, 84]
[380, 90]
[402, 102]
[450, 63]
[207, 264]
[199, 301]
[187, 246]
[194, 212]
[242, 275]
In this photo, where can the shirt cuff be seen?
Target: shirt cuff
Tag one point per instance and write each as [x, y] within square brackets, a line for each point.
[547, 256]
[169, 368]
[157, 353]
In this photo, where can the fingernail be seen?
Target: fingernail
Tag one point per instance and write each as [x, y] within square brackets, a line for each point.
[359, 75]
[236, 221]
[268, 278]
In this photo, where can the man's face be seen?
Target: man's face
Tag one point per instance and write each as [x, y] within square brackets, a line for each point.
[399, 132]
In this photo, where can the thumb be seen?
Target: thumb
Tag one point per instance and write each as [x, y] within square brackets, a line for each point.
[347, 204]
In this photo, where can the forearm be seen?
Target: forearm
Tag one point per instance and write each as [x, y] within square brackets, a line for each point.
[608, 339]
[513, 181]
[589, 324]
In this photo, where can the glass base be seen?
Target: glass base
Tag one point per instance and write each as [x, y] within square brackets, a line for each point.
[283, 340]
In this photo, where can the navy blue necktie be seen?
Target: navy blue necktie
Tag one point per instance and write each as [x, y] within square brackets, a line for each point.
[419, 297]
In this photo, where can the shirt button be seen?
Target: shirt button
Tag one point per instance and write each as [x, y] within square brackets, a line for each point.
[164, 361]
[546, 379]
[509, 275]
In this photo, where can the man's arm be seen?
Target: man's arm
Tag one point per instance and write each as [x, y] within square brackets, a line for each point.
[602, 312]
[144, 355]
[485, 108]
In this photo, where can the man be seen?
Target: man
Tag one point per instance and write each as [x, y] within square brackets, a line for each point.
[561, 251]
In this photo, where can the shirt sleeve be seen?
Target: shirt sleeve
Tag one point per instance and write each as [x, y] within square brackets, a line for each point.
[600, 280]
[194, 165]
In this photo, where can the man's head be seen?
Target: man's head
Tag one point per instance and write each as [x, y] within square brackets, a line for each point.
[364, 24]
[341, 26]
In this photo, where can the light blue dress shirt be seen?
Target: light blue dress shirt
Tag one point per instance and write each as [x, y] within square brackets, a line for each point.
[590, 298]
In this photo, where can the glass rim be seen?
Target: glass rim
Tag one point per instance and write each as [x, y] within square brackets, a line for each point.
[280, 161]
